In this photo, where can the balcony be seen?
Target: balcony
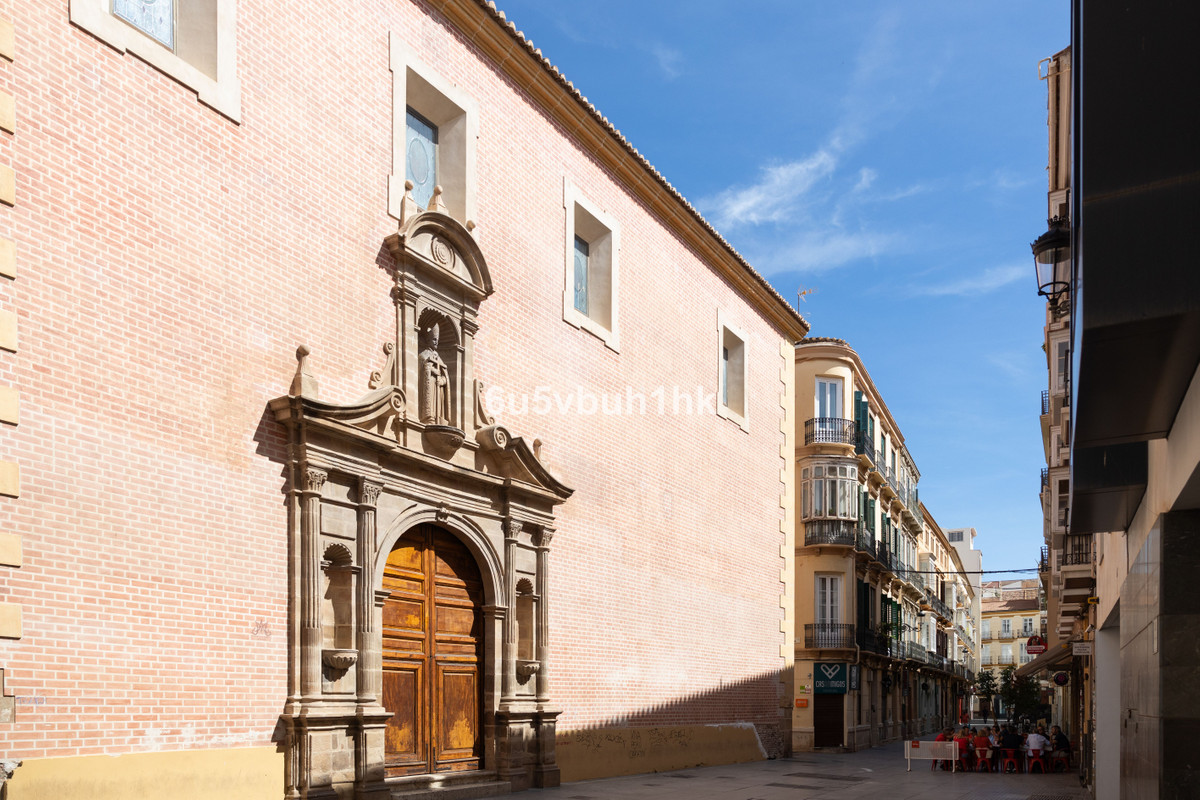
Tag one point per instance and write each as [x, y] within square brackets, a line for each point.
[1045, 401]
[1077, 551]
[883, 554]
[1045, 485]
[1044, 561]
[831, 532]
[830, 430]
[863, 446]
[866, 542]
[875, 642]
[829, 636]
[914, 651]
[1005, 659]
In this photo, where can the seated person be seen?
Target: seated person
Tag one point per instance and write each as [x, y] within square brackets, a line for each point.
[983, 745]
[1060, 745]
[963, 740]
[1037, 743]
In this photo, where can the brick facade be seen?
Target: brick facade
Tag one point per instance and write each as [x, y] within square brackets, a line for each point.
[170, 260]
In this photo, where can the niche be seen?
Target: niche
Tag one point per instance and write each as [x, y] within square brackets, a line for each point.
[338, 652]
[525, 618]
[437, 378]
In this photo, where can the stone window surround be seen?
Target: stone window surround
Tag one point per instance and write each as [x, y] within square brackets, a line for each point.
[220, 90]
[600, 230]
[725, 331]
[456, 115]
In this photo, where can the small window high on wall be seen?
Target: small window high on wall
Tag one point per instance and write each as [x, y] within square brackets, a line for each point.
[732, 371]
[591, 276]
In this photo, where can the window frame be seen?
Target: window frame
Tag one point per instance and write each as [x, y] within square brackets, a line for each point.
[211, 72]
[600, 231]
[832, 592]
[733, 399]
[452, 111]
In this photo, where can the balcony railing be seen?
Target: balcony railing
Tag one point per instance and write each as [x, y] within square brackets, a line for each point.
[1077, 550]
[873, 641]
[883, 554]
[866, 542]
[1005, 659]
[915, 651]
[830, 531]
[1044, 561]
[864, 446]
[829, 635]
[1045, 401]
[830, 430]
[1045, 479]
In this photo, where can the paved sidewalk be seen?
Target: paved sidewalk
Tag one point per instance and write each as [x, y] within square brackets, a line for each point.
[876, 773]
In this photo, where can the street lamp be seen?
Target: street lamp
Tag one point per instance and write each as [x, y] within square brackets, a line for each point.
[1052, 259]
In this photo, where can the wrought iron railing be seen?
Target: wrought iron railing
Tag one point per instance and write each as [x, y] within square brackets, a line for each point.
[1045, 401]
[915, 651]
[830, 531]
[883, 554]
[864, 445]
[1077, 550]
[1045, 479]
[1006, 659]
[874, 641]
[866, 541]
[1044, 561]
[829, 635]
[830, 430]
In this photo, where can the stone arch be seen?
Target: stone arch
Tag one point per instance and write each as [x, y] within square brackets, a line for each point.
[466, 529]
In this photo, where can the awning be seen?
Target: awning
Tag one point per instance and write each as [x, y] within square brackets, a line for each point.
[1048, 659]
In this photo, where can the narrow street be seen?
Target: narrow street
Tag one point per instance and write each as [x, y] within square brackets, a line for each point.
[881, 771]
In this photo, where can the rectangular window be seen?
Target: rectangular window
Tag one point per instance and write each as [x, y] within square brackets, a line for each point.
[829, 398]
[445, 120]
[193, 42]
[731, 391]
[1062, 366]
[1006, 628]
[1028, 627]
[581, 275]
[420, 156]
[828, 587]
[155, 18]
[591, 292]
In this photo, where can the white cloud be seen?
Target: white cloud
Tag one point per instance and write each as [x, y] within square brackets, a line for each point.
[821, 250]
[670, 60]
[774, 197]
[980, 283]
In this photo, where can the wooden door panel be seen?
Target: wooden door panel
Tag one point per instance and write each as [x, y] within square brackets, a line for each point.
[432, 647]
[406, 736]
[457, 745]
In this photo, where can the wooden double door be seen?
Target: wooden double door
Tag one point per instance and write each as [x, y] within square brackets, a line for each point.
[432, 654]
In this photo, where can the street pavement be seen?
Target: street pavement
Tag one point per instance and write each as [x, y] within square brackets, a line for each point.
[878, 772]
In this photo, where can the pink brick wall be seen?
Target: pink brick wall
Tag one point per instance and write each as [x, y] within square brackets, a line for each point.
[169, 263]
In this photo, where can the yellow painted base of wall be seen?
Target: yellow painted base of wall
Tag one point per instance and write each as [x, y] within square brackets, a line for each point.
[606, 752]
[249, 773]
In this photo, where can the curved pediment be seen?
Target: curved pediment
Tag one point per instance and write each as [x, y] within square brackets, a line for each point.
[437, 246]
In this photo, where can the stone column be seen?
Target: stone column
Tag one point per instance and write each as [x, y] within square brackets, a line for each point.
[310, 589]
[465, 402]
[364, 605]
[543, 615]
[512, 529]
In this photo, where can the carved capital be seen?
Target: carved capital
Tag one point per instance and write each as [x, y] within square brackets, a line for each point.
[469, 327]
[512, 528]
[314, 479]
[368, 492]
[545, 537]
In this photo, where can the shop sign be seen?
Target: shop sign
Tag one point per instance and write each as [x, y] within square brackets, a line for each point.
[1035, 645]
[830, 677]
[1081, 648]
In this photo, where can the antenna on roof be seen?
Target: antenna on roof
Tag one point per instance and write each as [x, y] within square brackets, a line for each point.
[803, 293]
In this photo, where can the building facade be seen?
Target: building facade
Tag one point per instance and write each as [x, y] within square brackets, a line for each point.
[342, 444]
[963, 542]
[878, 589]
[1125, 520]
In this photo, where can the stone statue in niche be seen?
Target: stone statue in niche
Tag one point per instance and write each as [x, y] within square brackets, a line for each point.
[435, 382]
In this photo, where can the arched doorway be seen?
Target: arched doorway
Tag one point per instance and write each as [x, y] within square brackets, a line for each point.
[432, 654]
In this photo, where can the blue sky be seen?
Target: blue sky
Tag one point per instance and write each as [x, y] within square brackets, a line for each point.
[888, 155]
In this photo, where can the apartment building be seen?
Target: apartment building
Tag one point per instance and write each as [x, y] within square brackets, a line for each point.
[963, 542]
[1124, 523]
[349, 426]
[881, 601]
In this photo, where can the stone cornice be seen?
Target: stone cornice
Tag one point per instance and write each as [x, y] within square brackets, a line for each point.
[500, 41]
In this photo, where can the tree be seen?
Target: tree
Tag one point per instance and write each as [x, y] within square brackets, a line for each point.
[985, 688]
[1019, 693]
